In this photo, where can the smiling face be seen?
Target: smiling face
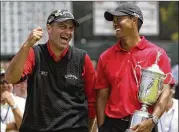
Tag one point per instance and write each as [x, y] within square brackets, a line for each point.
[5, 86]
[124, 25]
[20, 89]
[60, 33]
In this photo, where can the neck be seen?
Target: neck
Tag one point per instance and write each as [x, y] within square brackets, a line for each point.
[128, 42]
[56, 50]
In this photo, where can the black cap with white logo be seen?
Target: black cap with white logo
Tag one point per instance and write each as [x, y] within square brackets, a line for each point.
[60, 16]
[123, 10]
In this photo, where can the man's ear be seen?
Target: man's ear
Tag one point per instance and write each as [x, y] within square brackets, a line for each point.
[135, 21]
[49, 28]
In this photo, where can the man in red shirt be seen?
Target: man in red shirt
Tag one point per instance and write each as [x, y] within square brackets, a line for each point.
[60, 94]
[116, 82]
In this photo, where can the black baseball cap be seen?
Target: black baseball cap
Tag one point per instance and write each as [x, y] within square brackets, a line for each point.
[123, 10]
[60, 16]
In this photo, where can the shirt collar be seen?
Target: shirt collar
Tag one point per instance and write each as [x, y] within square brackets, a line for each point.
[56, 58]
[141, 45]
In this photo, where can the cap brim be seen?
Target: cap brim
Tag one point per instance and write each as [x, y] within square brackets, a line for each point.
[76, 23]
[108, 15]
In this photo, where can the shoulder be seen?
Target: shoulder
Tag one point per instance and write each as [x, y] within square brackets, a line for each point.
[175, 68]
[153, 46]
[78, 50]
[108, 53]
[39, 45]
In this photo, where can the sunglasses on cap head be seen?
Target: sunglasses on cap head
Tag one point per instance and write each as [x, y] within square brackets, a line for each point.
[117, 19]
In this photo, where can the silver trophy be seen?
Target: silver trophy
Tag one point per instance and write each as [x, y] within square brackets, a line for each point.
[151, 85]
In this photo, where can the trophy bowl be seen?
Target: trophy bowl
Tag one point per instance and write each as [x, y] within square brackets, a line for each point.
[151, 86]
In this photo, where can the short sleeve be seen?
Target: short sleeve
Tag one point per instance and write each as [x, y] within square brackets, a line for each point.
[165, 66]
[101, 80]
[29, 63]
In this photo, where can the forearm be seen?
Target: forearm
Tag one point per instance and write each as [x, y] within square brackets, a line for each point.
[101, 103]
[11, 126]
[15, 69]
[18, 117]
[162, 102]
[91, 114]
[91, 124]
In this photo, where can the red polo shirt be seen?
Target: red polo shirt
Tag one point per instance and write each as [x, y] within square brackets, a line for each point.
[88, 74]
[115, 71]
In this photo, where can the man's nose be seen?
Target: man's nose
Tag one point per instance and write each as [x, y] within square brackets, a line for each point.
[115, 25]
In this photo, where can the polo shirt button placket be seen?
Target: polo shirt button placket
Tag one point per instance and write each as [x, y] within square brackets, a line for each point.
[129, 54]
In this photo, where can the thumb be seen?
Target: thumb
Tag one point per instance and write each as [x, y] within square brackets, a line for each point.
[39, 28]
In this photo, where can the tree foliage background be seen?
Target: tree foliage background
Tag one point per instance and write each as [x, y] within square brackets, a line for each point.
[169, 20]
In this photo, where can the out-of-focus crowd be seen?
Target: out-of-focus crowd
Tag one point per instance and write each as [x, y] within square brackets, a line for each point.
[13, 98]
[19, 89]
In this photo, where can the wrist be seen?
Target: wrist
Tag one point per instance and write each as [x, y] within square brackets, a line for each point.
[99, 125]
[26, 46]
[14, 106]
[151, 121]
[154, 119]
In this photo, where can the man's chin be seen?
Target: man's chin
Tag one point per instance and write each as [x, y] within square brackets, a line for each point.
[65, 44]
[118, 37]
[62, 46]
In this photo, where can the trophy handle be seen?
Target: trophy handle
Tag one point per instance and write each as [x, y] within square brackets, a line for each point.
[170, 79]
[167, 83]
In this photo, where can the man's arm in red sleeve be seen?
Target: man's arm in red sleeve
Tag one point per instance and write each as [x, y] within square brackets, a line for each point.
[15, 69]
[89, 79]
[29, 63]
[102, 87]
[26, 67]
